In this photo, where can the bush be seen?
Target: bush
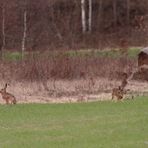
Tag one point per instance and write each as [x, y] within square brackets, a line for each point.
[38, 68]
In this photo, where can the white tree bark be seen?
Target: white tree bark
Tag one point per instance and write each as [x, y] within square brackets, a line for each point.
[90, 16]
[24, 33]
[83, 15]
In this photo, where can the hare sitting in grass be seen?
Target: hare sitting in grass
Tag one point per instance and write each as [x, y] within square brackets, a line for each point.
[9, 98]
[118, 93]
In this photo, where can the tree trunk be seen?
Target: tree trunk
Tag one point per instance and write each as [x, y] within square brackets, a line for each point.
[24, 33]
[115, 12]
[128, 12]
[100, 14]
[100, 22]
[3, 32]
[83, 15]
[90, 16]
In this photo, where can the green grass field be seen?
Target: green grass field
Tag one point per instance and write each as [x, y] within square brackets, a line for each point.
[85, 125]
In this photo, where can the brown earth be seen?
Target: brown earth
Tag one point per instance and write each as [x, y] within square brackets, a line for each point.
[64, 91]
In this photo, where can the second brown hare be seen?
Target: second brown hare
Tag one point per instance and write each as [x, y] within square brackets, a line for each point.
[118, 93]
[9, 98]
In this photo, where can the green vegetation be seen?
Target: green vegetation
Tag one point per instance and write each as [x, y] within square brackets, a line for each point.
[132, 52]
[14, 56]
[84, 125]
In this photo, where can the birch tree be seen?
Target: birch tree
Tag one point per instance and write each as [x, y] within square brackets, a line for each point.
[83, 15]
[90, 16]
[3, 27]
[24, 31]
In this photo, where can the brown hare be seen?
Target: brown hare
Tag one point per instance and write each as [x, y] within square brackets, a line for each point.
[118, 93]
[9, 98]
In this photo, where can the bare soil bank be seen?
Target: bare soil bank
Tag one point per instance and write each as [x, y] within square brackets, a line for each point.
[64, 91]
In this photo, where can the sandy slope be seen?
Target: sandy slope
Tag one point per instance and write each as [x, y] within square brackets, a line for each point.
[70, 91]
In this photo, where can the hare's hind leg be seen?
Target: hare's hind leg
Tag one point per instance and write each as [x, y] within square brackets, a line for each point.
[13, 100]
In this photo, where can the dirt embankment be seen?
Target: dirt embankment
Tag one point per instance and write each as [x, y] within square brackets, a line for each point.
[63, 91]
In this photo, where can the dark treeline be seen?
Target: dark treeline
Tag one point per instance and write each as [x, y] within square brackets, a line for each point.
[53, 24]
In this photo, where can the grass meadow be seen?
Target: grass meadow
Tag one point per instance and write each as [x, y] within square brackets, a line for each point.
[103, 124]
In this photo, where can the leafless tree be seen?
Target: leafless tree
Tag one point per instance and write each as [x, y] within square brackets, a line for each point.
[83, 15]
[52, 23]
[24, 32]
[115, 12]
[128, 12]
[90, 16]
[100, 13]
[3, 28]
[3, 37]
